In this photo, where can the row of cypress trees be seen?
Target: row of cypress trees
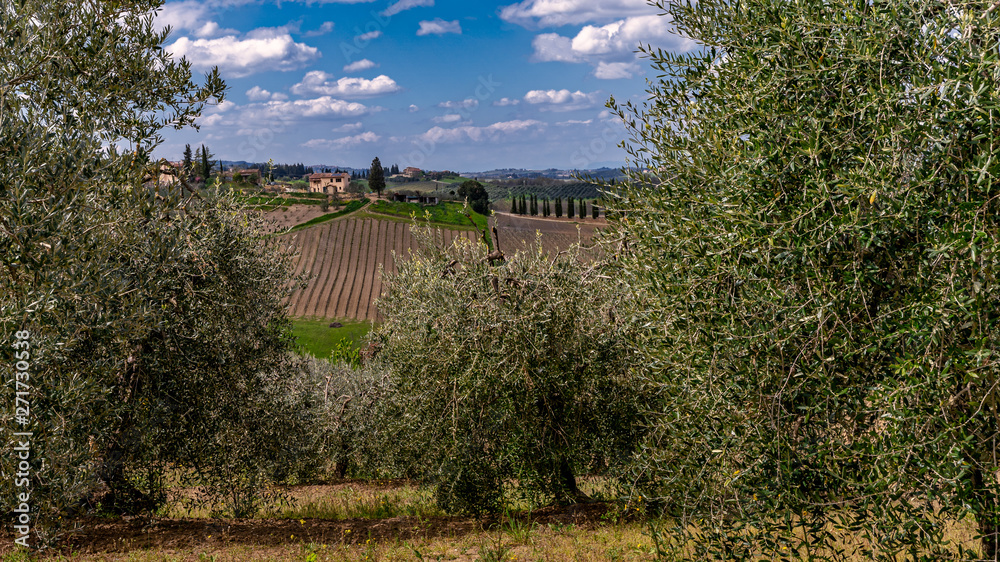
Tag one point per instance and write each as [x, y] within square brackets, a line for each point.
[531, 205]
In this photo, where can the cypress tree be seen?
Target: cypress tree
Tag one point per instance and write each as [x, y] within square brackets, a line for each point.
[594, 211]
[583, 208]
[570, 208]
[558, 207]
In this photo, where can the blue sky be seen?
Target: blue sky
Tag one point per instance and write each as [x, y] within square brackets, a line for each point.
[436, 84]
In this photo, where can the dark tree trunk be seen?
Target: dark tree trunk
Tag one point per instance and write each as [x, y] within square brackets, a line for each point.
[989, 513]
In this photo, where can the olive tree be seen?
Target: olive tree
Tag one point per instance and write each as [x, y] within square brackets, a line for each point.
[811, 196]
[152, 315]
[505, 375]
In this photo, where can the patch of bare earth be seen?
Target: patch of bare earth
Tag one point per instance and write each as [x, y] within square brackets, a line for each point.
[117, 537]
[285, 218]
[515, 232]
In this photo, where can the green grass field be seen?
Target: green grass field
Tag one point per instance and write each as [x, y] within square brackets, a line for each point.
[419, 186]
[317, 338]
[446, 213]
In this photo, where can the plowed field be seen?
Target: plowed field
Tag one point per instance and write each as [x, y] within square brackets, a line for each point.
[515, 232]
[342, 258]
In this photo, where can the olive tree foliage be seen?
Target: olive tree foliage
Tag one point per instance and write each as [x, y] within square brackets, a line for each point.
[504, 379]
[812, 199]
[155, 316]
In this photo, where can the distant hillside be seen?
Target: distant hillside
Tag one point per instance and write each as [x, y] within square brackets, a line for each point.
[542, 187]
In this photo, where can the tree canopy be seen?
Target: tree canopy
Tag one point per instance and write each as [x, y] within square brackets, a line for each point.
[376, 177]
[518, 371]
[477, 196]
[153, 314]
[811, 196]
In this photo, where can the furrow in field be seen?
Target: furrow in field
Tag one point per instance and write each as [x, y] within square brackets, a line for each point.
[308, 268]
[316, 307]
[371, 264]
[348, 265]
[329, 304]
[321, 261]
[374, 286]
[361, 266]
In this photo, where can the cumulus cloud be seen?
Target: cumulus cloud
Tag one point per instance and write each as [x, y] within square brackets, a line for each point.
[260, 51]
[317, 82]
[469, 103]
[556, 13]
[191, 16]
[369, 36]
[406, 5]
[449, 118]
[616, 70]
[344, 142]
[348, 128]
[414, 108]
[494, 132]
[610, 48]
[320, 107]
[363, 64]
[504, 102]
[258, 94]
[438, 26]
[327, 27]
[561, 100]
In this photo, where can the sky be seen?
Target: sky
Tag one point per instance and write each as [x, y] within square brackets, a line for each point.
[434, 84]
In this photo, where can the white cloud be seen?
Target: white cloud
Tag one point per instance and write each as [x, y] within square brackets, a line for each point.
[357, 66]
[561, 100]
[324, 106]
[355, 140]
[555, 13]
[210, 120]
[554, 47]
[616, 70]
[258, 94]
[348, 128]
[504, 102]
[438, 26]
[317, 82]
[327, 27]
[261, 51]
[611, 48]
[414, 109]
[574, 122]
[469, 103]
[369, 36]
[450, 118]
[406, 5]
[494, 132]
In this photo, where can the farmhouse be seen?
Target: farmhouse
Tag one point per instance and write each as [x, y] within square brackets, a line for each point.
[250, 176]
[330, 184]
[412, 172]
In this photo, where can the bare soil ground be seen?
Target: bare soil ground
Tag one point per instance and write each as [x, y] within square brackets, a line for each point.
[295, 214]
[515, 232]
[342, 258]
[286, 538]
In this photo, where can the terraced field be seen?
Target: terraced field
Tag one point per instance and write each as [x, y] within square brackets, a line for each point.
[342, 258]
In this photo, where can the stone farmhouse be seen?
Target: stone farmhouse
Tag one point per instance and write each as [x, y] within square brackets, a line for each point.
[330, 184]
